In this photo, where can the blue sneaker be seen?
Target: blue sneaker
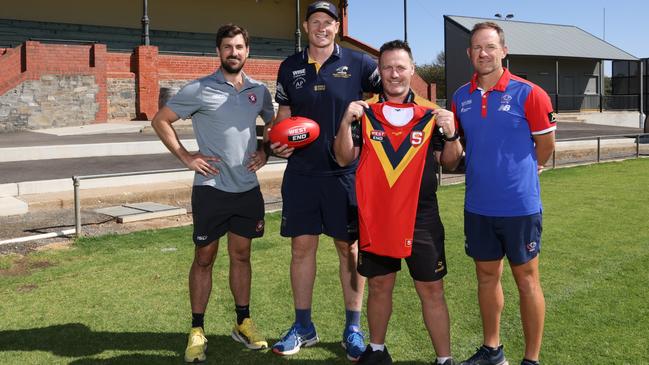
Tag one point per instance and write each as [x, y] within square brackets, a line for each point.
[295, 338]
[485, 356]
[354, 343]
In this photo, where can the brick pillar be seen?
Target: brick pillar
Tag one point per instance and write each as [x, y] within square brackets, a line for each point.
[30, 56]
[146, 80]
[432, 92]
[98, 57]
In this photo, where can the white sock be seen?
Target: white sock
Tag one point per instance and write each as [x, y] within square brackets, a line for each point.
[377, 346]
[440, 360]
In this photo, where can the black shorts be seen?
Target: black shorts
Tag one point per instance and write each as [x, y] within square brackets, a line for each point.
[427, 262]
[216, 212]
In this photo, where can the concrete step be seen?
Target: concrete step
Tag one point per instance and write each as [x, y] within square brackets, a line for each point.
[12, 206]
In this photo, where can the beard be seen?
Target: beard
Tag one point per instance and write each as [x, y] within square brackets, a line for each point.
[232, 69]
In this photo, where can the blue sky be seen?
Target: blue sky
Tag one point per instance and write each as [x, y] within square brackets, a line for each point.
[377, 21]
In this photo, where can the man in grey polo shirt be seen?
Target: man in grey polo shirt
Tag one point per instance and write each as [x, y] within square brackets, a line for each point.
[226, 196]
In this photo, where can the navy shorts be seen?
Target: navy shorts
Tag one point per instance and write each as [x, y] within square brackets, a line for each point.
[313, 205]
[492, 238]
[216, 212]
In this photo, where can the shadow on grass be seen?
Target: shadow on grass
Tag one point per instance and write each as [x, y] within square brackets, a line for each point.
[76, 340]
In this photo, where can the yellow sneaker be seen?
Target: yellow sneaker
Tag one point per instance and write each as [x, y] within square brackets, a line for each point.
[196, 346]
[247, 334]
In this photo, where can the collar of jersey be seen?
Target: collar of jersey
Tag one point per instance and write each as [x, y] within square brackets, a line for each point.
[336, 53]
[501, 85]
[410, 98]
[218, 76]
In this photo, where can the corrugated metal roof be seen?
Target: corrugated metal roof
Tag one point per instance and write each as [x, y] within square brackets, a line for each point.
[538, 39]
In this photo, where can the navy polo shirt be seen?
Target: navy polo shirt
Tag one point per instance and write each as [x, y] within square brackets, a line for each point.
[498, 125]
[324, 96]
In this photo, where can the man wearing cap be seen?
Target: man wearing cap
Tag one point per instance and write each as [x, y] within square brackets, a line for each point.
[318, 194]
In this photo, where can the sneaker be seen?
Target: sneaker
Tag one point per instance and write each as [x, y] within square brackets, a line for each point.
[484, 356]
[354, 344]
[247, 334]
[295, 338]
[196, 346]
[370, 357]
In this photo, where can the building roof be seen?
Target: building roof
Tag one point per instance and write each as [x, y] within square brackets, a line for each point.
[538, 39]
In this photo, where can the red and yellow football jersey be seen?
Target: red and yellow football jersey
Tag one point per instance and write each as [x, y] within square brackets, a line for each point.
[389, 176]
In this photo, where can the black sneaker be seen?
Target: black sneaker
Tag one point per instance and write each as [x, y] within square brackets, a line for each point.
[370, 357]
[486, 356]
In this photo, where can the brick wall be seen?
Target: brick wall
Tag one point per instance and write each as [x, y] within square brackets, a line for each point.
[51, 101]
[93, 85]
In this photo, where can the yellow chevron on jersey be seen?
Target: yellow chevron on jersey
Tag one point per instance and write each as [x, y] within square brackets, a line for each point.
[394, 161]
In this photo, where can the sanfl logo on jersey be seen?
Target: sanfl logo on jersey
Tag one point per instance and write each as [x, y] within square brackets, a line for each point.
[416, 138]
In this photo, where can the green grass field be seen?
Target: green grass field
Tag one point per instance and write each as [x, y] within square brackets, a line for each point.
[123, 299]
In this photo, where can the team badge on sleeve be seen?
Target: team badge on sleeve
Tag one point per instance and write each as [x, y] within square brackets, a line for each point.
[552, 117]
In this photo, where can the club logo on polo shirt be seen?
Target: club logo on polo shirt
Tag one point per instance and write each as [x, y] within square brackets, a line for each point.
[504, 103]
[408, 242]
[252, 98]
[321, 87]
[299, 83]
[552, 117]
[342, 72]
[299, 78]
[465, 106]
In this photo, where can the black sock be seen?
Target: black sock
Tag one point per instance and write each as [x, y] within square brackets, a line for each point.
[198, 319]
[491, 349]
[243, 312]
[531, 362]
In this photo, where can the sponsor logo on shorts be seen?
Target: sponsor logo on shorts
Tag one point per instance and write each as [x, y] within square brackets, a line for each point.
[201, 238]
[260, 225]
[408, 242]
[531, 246]
[440, 266]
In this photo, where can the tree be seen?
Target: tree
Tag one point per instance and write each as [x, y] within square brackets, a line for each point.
[435, 72]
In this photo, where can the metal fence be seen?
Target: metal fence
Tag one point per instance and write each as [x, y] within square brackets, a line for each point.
[575, 103]
[638, 139]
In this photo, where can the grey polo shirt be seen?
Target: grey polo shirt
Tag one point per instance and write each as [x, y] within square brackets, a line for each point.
[224, 123]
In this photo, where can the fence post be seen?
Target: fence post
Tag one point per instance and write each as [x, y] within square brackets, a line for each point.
[637, 146]
[554, 159]
[598, 144]
[439, 175]
[77, 207]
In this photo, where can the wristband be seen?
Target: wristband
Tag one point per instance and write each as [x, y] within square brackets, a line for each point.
[451, 139]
